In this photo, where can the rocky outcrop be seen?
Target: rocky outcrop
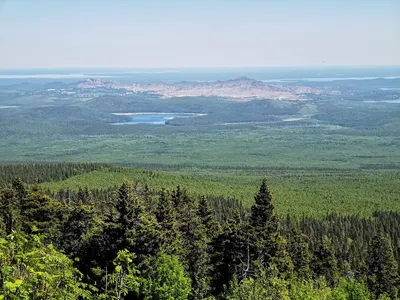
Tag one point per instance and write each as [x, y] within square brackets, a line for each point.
[242, 88]
[239, 89]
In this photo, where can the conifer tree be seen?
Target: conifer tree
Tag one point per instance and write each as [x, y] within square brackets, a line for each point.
[325, 262]
[11, 200]
[383, 276]
[231, 255]
[38, 211]
[176, 196]
[263, 228]
[170, 239]
[19, 189]
[84, 196]
[300, 253]
[120, 222]
[79, 222]
[207, 218]
[195, 243]
[10, 210]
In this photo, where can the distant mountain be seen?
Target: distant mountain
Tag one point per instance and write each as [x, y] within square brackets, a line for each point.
[239, 89]
[94, 83]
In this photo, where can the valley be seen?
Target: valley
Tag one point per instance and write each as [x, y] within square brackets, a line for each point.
[346, 132]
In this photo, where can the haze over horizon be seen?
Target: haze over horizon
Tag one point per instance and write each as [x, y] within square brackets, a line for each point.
[193, 34]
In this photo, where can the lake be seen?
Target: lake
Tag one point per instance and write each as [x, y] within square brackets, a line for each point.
[152, 118]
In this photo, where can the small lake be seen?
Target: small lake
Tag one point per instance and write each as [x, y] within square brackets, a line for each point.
[152, 118]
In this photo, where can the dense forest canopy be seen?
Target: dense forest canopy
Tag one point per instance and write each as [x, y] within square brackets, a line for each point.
[177, 208]
[166, 244]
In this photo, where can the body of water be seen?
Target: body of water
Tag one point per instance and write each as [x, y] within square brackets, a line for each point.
[152, 118]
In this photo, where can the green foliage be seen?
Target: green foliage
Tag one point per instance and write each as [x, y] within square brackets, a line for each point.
[207, 218]
[166, 280]
[330, 172]
[30, 269]
[383, 274]
[130, 243]
[350, 290]
[296, 191]
[77, 229]
[10, 211]
[230, 255]
[36, 173]
[266, 246]
[124, 279]
[38, 212]
[265, 286]
[325, 262]
[170, 236]
[301, 289]
[300, 253]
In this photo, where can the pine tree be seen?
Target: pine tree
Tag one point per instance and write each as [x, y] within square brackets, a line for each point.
[195, 243]
[84, 196]
[325, 262]
[128, 206]
[19, 189]
[282, 259]
[300, 253]
[165, 212]
[383, 276]
[176, 196]
[263, 233]
[38, 212]
[129, 226]
[78, 224]
[207, 218]
[171, 238]
[231, 255]
[10, 210]
[11, 200]
[120, 223]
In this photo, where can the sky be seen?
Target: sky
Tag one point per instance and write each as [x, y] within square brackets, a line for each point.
[198, 33]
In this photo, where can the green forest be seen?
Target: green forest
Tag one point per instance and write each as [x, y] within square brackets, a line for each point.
[260, 199]
[146, 240]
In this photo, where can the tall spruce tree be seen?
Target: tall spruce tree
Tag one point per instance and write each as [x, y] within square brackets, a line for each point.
[325, 262]
[263, 233]
[11, 201]
[79, 223]
[38, 212]
[231, 255]
[207, 218]
[195, 243]
[120, 222]
[383, 276]
[300, 253]
[10, 210]
[170, 238]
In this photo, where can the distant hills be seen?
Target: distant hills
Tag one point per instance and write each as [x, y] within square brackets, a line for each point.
[239, 89]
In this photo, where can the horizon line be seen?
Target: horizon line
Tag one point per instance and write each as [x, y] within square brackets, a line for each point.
[197, 67]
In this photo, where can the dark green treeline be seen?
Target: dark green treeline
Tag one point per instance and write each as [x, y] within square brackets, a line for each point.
[133, 243]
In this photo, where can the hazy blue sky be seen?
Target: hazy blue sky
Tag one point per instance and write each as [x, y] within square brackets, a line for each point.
[198, 33]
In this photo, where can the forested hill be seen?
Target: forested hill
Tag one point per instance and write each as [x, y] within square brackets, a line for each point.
[141, 244]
